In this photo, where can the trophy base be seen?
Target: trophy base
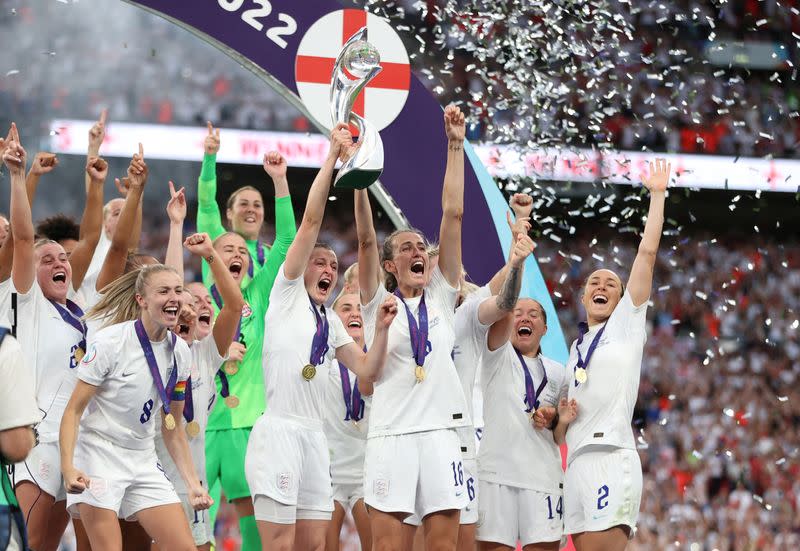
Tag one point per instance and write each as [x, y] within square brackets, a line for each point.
[357, 179]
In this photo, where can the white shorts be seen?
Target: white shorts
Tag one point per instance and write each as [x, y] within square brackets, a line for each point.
[509, 514]
[420, 473]
[198, 522]
[602, 489]
[120, 479]
[347, 495]
[43, 468]
[469, 514]
[288, 460]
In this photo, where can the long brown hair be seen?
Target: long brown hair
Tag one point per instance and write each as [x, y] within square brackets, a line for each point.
[387, 253]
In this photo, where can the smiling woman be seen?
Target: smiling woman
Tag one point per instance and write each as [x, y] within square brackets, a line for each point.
[50, 329]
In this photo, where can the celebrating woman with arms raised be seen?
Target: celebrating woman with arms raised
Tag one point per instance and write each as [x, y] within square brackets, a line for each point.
[603, 485]
[413, 460]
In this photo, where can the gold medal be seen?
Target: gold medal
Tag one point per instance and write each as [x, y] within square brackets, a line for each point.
[169, 421]
[355, 424]
[309, 372]
[193, 429]
[419, 373]
[532, 414]
[232, 401]
[78, 355]
[231, 367]
[580, 375]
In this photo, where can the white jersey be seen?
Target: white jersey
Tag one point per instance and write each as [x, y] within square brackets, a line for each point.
[400, 404]
[470, 342]
[347, 436]
[49, 343]
[606, 400]
[17, 408]
[513, 452]
[290, 325]
[205, 362]
[125, 407]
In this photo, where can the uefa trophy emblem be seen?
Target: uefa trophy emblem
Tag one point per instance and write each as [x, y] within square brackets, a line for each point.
[360, 59]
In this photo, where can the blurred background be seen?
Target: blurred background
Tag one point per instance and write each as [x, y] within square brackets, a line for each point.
[718, 416]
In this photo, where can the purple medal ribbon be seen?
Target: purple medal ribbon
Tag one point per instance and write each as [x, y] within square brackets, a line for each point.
[319, 345]
[147, 348]
[420, 347]
[188, 407]
[216, 296]
[223, 380]
[531, 397]
[261, 258]
[72, 315]
[352, 399]
[583, 327]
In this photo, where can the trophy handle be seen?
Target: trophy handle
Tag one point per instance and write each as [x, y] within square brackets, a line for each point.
[366, 165]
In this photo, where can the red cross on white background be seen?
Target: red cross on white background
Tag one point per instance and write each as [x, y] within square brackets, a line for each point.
[314, 69]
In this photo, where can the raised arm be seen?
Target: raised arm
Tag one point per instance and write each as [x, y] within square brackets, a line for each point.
[641, 279]
[300, 251]
[369, 366]
[176, 211]
[232, 301]
[97, 133]
[368, 256]
[209, 218]
[285, 228]
[114, 263]
[499, 306]
[92, 221]
[452, 197]
[522, 205]
[23, 270]
[42, 164]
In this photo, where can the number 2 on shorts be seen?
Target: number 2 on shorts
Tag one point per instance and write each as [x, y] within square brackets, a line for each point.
[602, 499]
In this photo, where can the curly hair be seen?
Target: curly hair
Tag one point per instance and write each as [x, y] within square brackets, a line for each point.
[58, 228]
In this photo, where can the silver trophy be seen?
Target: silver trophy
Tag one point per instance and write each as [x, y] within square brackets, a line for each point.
[360, 59]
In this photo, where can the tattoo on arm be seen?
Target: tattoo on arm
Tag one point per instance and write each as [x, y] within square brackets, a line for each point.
[509, 293]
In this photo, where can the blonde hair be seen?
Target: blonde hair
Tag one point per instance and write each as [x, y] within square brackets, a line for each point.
[119, 304]
[348, 273]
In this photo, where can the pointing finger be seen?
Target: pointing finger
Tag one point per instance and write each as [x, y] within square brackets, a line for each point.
[171, 189]
[103, 115]
[141, 150]
[210, 128]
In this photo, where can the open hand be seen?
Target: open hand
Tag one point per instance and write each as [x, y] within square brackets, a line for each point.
[658, 178]
[567, 410]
